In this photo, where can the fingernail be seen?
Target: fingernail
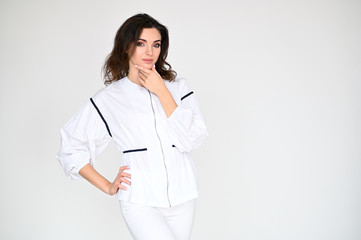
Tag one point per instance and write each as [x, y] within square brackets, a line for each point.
[135, 66]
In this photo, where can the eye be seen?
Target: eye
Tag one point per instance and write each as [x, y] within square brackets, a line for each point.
[140, 44]
[157, 45]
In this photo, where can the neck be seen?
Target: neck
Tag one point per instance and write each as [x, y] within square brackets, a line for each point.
[133, 74]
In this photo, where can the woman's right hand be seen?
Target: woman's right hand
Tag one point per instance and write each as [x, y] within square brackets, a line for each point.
[121, 177]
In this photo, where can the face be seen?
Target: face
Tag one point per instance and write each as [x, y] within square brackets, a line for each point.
[147, 48]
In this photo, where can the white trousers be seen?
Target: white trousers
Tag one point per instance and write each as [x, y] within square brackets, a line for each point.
[148, 223]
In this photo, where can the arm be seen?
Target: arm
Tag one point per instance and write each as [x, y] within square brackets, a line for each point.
[84, 137]
[185, 121]
[167, 101]
[95, 178]
[151, 80]
[186, 125]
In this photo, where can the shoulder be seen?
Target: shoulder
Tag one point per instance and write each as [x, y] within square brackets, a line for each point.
[179, 88]
[181, 80]
[179, 83]
[109, 90]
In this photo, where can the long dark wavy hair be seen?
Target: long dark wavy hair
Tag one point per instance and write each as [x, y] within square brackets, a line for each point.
[116, 65]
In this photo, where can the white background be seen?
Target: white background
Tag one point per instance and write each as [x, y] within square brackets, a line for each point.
[279, 86]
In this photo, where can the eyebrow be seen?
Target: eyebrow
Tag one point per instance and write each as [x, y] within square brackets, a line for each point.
[146, 40]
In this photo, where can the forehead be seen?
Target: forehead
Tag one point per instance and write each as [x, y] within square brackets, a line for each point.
[151, 34]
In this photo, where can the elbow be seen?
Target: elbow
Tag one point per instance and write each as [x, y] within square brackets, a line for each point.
[194, 142]
[72, 164]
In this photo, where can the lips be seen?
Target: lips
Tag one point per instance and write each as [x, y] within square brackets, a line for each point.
[148, 60]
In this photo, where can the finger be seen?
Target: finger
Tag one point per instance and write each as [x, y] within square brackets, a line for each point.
[122, 187]
[118, 178]
[122, 168]
[125, 180]
[125, 175]
[143, 74]
[142, 82]
[119, 175]
[128, 181]
[141, 77]
[122, 171]
[143, 69]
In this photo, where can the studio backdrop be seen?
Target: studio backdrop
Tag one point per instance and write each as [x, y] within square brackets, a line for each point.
[279, 87]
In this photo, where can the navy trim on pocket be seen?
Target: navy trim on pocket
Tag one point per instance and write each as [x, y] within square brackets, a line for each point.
[135, 150]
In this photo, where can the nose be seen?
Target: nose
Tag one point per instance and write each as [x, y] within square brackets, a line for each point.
[149, 50]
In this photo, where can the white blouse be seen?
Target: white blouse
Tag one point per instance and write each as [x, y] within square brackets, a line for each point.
[156, 148]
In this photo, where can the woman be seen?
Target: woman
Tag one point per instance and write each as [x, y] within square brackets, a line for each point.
[153, 117]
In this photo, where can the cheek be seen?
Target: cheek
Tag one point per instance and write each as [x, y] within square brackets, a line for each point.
[157, 53]
[136, 55]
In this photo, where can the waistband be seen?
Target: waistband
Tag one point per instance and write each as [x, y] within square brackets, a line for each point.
[139, 149]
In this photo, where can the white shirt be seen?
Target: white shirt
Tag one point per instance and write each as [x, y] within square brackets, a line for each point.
[156, 148]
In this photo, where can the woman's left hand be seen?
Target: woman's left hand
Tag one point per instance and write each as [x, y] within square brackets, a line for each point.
[151, 79]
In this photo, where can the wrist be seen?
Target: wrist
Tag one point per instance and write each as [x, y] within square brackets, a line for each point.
[107, 189]
[163, 92]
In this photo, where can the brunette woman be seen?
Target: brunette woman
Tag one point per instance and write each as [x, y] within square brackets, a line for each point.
[154, 118]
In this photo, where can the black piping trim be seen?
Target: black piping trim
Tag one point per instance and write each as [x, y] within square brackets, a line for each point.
[173, 145]
[135, 150]
[186, 95]
[100, 114]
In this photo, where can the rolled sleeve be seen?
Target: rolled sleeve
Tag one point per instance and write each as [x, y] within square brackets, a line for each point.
[187, 127]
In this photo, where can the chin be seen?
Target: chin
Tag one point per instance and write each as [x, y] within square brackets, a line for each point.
[149, 66]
